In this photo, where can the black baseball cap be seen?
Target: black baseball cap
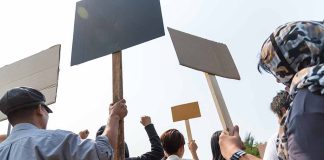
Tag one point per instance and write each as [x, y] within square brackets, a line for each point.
[22, 97]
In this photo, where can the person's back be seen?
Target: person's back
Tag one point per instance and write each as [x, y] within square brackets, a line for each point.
[30, 142]
[27, 112]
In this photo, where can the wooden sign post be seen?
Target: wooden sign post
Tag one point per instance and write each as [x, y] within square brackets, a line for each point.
[210, 57]
[118, 95]
[219, 102]
[186, 112]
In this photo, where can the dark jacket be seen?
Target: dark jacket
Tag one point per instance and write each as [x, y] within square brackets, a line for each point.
[156, 152]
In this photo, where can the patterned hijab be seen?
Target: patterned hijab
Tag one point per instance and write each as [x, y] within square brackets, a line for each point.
[293, 53]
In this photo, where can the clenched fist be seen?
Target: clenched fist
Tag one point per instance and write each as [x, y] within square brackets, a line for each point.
[84, 134]
[145, 120]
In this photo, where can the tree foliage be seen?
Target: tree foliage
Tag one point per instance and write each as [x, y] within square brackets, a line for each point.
[251, 146]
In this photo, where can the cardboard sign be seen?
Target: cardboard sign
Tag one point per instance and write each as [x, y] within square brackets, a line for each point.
[185, 111]
[39, 71]
[102, 27]
[210, 57]
[203, 55]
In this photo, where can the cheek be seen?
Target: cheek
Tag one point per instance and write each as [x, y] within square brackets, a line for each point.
[46, 117]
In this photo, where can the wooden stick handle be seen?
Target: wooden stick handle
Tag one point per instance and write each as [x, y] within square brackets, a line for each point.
[219, 102]
[119, 153]
[188, 130]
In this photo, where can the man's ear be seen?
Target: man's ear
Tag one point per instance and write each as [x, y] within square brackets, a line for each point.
[39, 110]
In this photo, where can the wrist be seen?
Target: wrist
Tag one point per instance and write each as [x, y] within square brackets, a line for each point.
[193, 151]
[114, 117]
[230, 151]
[145, 125]
[237, 155]
[194, 155]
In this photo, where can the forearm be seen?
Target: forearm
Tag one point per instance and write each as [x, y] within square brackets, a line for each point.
[249, 157]
[194, 155]
[111, 130]
[156, 147]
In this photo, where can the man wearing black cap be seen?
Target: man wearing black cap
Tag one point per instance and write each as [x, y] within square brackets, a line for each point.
[28, 114]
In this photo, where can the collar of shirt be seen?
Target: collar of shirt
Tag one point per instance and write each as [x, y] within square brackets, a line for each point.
[23, 126]
[173, 157]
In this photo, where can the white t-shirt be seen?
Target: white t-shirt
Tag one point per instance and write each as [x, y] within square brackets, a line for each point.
[270, 152]
[173, 157]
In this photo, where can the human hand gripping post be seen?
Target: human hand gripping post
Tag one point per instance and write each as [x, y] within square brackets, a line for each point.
[192, 145]
[117, 111]
[231, 143]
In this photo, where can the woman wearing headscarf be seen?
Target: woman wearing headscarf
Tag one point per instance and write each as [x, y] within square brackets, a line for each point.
[294, 54]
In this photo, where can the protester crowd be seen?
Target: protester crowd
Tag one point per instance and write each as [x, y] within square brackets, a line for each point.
[293, 54]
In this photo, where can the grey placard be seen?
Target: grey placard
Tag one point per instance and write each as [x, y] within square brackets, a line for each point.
[105, 26]
[203, 55]
[39, 71]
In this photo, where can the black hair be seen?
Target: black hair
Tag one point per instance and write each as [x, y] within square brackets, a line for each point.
[172, 140]
[215, 146]
[281, 100]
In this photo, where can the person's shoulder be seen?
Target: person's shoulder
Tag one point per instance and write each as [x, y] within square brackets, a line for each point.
[58, 133]
[274, 137]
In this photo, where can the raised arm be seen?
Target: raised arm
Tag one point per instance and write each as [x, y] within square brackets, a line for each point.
[117, 111]
[156, 152]
[193, 149]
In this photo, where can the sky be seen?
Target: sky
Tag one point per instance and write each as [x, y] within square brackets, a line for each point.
[153, 79]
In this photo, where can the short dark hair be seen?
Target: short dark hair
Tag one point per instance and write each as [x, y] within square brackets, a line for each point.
[281, 100]
[217, 155]
[21, 113]
[172, 140]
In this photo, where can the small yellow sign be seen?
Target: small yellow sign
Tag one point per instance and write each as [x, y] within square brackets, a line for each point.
[185, 111]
